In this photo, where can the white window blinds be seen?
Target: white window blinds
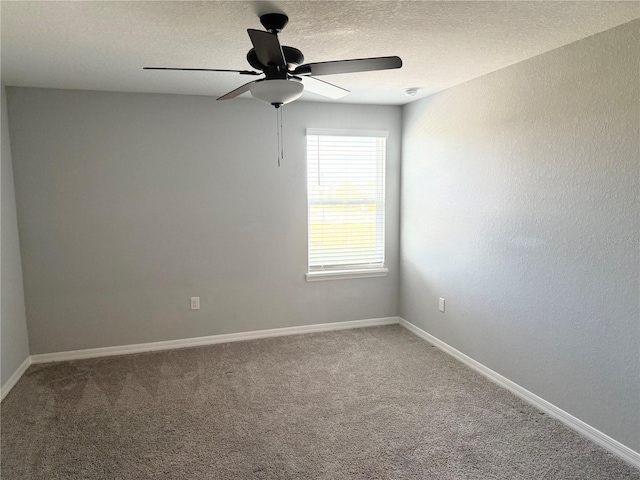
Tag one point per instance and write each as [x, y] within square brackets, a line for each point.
[345, 189]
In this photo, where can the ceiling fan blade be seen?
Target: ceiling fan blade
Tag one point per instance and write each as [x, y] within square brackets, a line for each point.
[326, 89]
[241, 72]
[349, 66]
[267, 46]
[237, 91]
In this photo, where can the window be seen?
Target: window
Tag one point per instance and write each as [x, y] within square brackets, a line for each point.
[345, 191]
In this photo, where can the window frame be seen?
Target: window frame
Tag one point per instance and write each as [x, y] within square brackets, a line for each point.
[350, 271]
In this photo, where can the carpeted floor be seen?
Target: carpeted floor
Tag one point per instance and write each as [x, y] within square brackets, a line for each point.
[370, 403]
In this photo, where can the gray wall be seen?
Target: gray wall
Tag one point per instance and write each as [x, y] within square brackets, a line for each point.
[129, 204]
[520, 208]
[13, 324]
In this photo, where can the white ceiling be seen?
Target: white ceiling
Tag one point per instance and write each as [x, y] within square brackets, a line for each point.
[104, 45]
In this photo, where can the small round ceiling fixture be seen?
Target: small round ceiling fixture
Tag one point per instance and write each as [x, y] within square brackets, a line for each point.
[411, 92]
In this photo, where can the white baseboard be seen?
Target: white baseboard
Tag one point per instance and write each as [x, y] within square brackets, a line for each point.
[579, 426]
[13, 379]
[209, 340]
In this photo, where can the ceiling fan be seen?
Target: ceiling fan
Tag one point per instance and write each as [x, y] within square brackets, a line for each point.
[285, 74]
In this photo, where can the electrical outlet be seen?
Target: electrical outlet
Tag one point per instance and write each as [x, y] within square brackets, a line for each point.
[195, 303]
[441, 304]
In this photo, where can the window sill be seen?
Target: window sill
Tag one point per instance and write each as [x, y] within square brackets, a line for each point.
[323, 275]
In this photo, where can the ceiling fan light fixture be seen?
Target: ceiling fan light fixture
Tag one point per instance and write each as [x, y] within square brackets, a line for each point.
[276, 91]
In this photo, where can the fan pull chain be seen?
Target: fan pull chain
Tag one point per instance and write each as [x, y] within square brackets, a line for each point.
[280, 134]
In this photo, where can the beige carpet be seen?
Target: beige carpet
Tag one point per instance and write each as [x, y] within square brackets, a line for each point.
[371, 403]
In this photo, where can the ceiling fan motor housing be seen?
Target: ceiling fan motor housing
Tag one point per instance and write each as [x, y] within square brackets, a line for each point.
[292, 56]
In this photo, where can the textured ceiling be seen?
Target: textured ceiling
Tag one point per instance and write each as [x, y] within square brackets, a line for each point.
[104, 45]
